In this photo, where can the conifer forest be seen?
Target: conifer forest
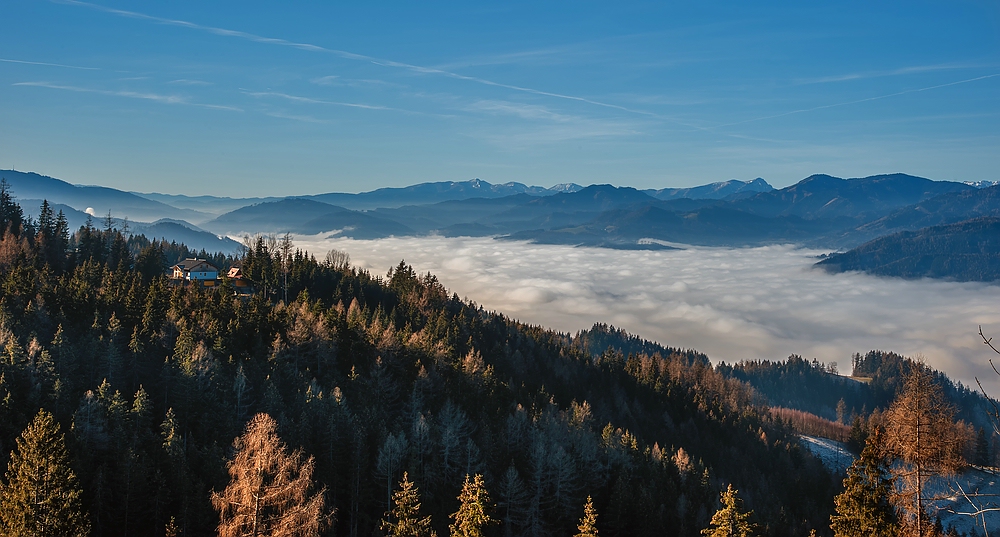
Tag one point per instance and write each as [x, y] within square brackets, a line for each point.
[334, 401]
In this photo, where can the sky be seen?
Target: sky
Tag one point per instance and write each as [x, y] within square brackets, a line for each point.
[255, 98]
[732, 304]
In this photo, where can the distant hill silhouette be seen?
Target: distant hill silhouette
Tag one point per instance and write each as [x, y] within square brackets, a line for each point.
[964, 251]
[721, 190]
[27, 185]
[425, 193]
[305, 216]
[825, 196]
[944, 209]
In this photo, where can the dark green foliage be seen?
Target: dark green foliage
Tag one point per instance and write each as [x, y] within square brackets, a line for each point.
[41, 495]
[374, 376]
[877, 380]
[982, 456]
[863, 508]
[801, 384]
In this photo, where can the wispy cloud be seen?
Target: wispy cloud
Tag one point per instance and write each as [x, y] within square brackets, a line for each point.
[545, 55]
[525, 111]
[858, 101]
[546, 126]
[309, 100]
[156, 97]
[294, 117]
[890, 72]
[353, 56]
[335, 80]
[8, 60]
[187, 82]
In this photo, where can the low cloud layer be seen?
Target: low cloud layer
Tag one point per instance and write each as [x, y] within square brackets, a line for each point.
[732, 304]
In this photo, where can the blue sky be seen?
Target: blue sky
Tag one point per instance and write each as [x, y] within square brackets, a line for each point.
[251, 98]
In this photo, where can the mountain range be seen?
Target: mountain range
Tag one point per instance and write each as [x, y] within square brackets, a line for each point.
[820, 211]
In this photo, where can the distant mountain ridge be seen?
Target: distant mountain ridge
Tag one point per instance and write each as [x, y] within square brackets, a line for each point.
[825, 196]
[721, 190]
[820, 211]
[304, 216]
[425, 193]
[30, 185]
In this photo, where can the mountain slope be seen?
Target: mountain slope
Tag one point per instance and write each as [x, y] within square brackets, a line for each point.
[944, 209]
[719, 190]
[305, 216]
[825, 196]
[196, 239]
[964, 251]
[427, 193]
[100, 199]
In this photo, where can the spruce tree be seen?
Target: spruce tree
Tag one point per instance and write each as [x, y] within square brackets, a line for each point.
[588, 524]
[41, 496]
[472, 515]
[863, 509]
[730, 520]
[403, 520]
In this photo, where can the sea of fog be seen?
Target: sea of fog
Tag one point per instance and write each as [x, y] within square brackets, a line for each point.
[730, 303]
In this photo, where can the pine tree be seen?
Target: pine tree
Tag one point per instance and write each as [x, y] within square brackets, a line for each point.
[730, 520]
[863, 509]
[472, 516]
[268, 493]
[404, 518]
[982, 449]
[42, 496]
[588, 524]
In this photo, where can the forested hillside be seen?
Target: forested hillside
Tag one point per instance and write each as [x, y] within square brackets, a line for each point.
[965, 251]
[370, 377]
[877, 379]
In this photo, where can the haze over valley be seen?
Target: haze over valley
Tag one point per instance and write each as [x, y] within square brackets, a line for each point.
[761, 303]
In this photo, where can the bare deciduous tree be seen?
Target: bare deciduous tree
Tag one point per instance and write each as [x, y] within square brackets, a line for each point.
[920, 433]
[269, 489]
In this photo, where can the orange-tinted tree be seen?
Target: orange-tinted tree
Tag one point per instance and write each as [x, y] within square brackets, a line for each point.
[269, 492]
[920, 434]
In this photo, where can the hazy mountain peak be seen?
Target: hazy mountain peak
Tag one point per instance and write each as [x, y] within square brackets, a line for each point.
[982, 184]
[719, 190]
[565, 187]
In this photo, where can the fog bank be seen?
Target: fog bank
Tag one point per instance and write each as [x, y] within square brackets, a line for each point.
[732, 304]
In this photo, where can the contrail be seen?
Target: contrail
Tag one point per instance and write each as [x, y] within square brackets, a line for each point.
[354, 56]
[7, 60]
[858, 101]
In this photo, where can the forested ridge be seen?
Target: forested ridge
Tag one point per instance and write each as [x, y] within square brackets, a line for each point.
[877, 378]
[371, 376]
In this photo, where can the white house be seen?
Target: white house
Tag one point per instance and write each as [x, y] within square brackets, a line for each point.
[195, 269]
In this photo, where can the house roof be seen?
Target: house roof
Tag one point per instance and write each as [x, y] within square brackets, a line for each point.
[196, 265]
